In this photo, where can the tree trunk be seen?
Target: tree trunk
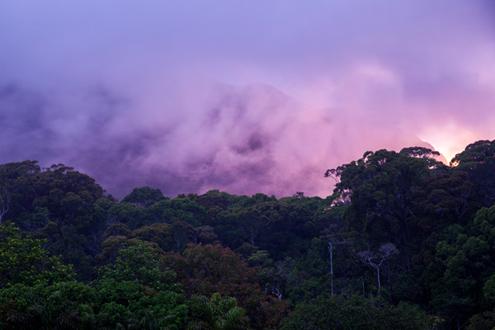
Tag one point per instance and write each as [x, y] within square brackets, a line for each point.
[4, 203]
[378, 279]
[330, 252]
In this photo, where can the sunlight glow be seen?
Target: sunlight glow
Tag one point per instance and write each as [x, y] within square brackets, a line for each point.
[449, 139]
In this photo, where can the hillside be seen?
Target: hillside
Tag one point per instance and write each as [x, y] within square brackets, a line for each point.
[403, 242]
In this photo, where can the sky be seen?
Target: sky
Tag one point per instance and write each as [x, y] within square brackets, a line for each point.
[242, 96]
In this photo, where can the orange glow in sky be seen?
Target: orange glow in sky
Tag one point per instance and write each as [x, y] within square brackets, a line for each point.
[449, 139]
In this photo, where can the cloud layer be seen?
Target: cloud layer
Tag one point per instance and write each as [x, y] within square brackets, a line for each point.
[258, 96]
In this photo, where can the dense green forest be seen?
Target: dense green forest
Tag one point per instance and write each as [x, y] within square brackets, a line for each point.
[403, 242]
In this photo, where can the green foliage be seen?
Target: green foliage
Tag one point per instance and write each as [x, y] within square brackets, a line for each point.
[489, 289]
[482, 321]
[209, 269]
[144, 196]
[138, 263]
[73, 257]
[478, 161]
[355, 313]
[463, 267]
[59, 204]
[24, 260]
[216, 313]
[383, 187]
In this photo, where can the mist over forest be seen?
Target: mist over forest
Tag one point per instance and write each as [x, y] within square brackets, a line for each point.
[404, 241]
[231, 165]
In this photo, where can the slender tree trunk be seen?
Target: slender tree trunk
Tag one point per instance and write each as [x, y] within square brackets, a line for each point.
[4, 203]
[378, 279]
[330, 252]
[3, 212]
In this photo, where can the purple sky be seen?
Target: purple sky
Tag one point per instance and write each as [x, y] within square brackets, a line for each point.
[244, 96]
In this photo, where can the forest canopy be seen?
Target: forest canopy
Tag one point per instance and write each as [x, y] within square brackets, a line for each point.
[404, 241]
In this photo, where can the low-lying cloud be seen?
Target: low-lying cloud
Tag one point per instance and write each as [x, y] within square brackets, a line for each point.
[241, 96]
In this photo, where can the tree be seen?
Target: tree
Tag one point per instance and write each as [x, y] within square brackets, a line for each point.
[137, 292]
[216, 313]
[221, 261]
[482, 321]
[478, 161]
[24, 260]
[36, 289]
[376, 259]
[381, 191]
[4, 203]
[460, 274]
[144, 196]
[355, 313]
[331, 245]
[141, 263]
[207, 269]
[65, 207]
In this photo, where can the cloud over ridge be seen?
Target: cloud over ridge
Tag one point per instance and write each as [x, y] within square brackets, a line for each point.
[246, 97]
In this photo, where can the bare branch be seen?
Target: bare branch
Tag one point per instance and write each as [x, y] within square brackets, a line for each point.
[376, 259]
